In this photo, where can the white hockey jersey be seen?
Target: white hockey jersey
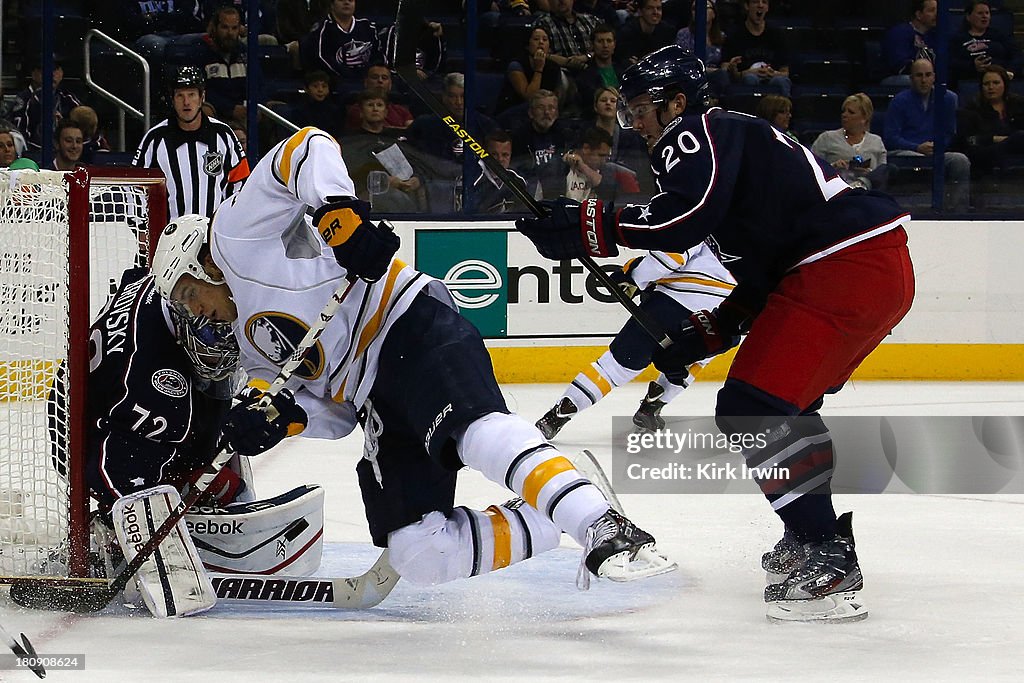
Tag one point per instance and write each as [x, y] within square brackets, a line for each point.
[281, 274]
[696, 278]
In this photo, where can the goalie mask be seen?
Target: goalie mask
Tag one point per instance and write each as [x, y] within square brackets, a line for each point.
[210, 345]
[180, 252]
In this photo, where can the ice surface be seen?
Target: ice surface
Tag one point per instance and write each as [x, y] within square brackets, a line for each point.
[943, 583]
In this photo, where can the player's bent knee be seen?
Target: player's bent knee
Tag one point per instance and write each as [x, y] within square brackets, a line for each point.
[431, 551]
[489, 443]
[741, 407]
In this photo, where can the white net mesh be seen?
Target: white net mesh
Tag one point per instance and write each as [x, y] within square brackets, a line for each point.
[34, 345]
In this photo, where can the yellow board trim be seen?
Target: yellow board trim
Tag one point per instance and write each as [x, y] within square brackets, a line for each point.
[541, 475]
[502, 538]
[920, 362]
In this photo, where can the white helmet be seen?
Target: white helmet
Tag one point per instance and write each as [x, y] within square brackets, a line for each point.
[177, 253]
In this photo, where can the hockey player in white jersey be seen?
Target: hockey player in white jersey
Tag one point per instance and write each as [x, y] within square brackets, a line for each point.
[670, 286]
[397, 357]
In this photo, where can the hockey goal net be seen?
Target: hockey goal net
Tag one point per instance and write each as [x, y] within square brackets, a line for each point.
[65, 239]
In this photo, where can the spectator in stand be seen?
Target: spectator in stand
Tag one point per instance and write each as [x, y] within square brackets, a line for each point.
[714, 41]
[778, 111]
[604, 10]
[296, 18]
[9, 149]
[402, 195]
[148, 26]
[977, 45]
[531, 72]
[910, 130]
[907, 41]
[993, 122]
[431, 48]
[755, 54]
[589, 171]
[318, 108]
[67, 146]
[644, 33]
[27, 114]
[858, 154]
[493, 195]
[378, 77]
[628, 148]
[94, 140]
[223, 57]
[604, 68]
[570, 35]
[238, 128]
[432, 136]
[539, 144]
[341, 44]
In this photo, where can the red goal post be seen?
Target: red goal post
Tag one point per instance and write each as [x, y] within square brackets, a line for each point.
[65, 239]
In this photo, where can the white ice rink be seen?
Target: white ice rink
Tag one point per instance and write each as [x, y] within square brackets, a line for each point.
[944, 583]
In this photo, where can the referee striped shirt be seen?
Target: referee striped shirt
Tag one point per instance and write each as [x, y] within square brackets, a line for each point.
[203, 167]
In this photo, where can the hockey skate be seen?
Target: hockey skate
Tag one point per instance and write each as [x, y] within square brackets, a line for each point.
[825, 587]
[780, 561]
[557, 417]
[647, 418]
[619, 550]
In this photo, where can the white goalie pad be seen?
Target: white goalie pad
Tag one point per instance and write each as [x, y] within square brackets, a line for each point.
[172, 581]
[280, 535]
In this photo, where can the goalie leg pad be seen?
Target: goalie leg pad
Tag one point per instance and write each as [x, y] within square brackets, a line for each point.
[172, 581]
[279, 535]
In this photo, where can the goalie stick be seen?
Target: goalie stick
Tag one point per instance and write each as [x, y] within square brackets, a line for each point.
[24, 650]
[356, 592]
[407, 23]
[43, 594]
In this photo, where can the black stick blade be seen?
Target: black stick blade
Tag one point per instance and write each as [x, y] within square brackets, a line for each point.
[80, 599]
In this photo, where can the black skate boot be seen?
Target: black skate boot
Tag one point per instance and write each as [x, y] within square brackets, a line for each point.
[556, 418]
[619, 550]
[824, 587]
[780, 561]
[648, 416]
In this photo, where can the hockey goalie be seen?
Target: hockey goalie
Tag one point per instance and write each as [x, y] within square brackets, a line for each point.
[159, 386]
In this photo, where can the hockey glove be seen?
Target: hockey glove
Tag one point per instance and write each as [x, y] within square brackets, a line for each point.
[623, 278]
[250, 429]
[362, 248]
[700, 336]
[571, 230]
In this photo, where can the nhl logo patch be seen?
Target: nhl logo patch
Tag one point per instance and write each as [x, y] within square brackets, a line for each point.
[213, 162]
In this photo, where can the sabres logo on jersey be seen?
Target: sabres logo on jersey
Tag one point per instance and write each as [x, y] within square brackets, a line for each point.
[276, 335]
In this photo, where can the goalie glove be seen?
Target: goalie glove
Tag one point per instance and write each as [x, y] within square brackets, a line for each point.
[250, 428]
[362, 248]
[572, 230]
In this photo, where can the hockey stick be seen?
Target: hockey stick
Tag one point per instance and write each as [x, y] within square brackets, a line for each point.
[90, 598]
[356, 592]
[24, 650]
[408, 22]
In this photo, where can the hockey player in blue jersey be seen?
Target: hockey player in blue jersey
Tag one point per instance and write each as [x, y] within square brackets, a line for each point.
[823, 274]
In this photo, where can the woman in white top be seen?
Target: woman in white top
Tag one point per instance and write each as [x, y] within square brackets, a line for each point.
[857, 153]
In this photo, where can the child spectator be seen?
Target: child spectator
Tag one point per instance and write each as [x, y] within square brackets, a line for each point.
[318, 108]
[67, 140]
[378, 77]
[341, 44]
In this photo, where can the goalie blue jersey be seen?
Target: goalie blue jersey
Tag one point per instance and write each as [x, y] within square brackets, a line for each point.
[762, 202]
[148, 421]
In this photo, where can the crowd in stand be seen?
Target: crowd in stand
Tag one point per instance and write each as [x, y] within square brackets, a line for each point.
[547, 76]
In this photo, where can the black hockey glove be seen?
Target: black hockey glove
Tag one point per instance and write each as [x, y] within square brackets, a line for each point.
[249, 429]
[699, 337]
[362, 248]
[623, 278]
[571, 230]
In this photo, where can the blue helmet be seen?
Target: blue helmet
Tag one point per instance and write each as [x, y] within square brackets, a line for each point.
[662, 74]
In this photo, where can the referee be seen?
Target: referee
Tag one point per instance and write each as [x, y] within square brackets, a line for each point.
[199, 155]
